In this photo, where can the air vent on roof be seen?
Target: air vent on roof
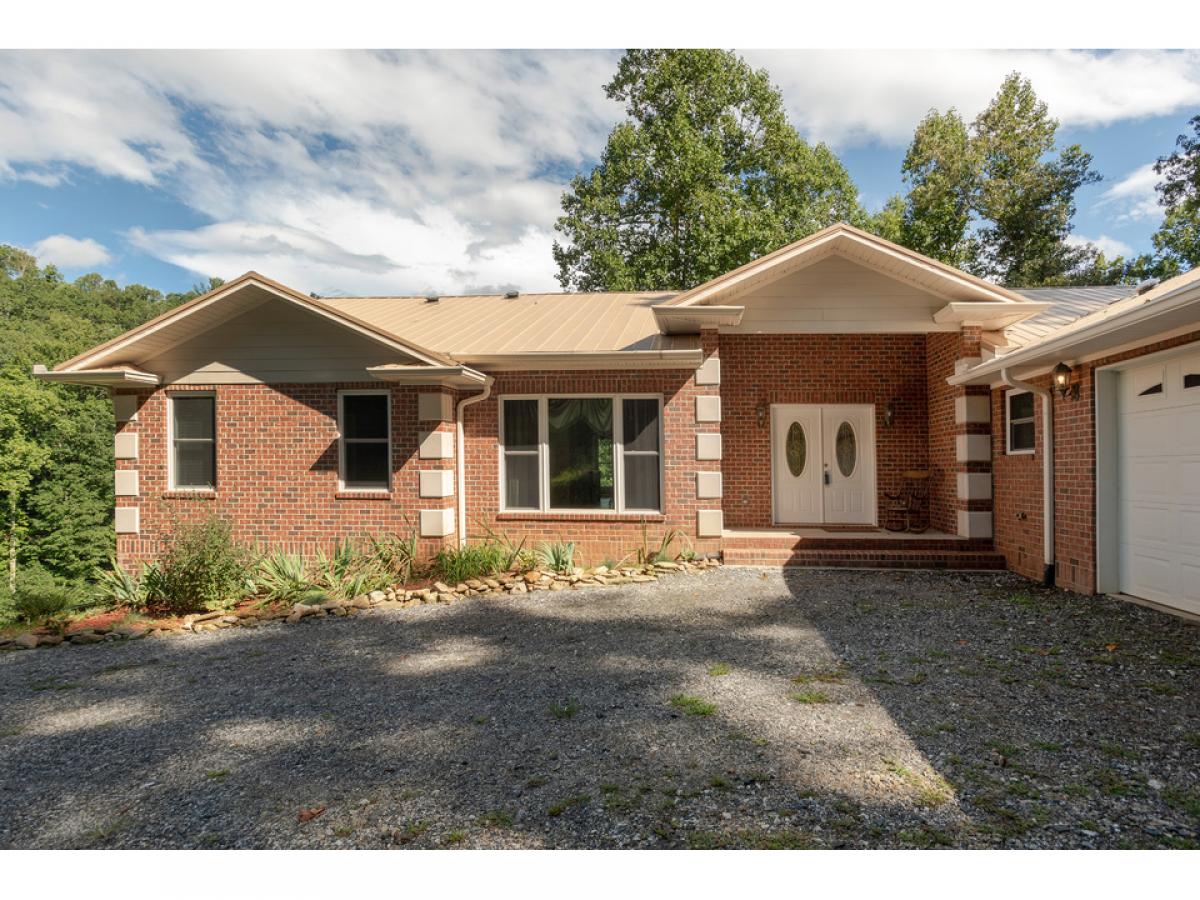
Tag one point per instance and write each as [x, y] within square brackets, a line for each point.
[512, 295]
[1146, 285]
[432, 298]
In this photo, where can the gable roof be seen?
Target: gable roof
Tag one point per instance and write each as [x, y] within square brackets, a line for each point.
[855, 244]
[220, 305]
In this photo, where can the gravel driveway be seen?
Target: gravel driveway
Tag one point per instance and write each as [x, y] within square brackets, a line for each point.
[736, 708]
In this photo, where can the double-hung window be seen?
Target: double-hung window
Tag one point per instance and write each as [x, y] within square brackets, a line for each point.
[193, 423]
[1020, 406]
[582, 453]
[364, 419]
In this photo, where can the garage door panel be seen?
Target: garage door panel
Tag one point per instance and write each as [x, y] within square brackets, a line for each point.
[1158, 468]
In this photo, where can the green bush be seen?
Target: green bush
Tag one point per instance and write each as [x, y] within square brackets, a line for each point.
[282, 576]
[117, 587]
[471, 561]
[558, 556]
[203, 568]
[41, 599]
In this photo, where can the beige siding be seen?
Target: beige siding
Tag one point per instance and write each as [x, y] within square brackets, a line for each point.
[837, 294]
[274, 342]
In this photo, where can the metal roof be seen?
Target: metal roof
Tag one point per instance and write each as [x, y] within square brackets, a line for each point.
[473, 326]
[1067, 305]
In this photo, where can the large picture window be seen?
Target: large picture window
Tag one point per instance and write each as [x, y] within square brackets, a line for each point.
[582, 453]
[366, 449]
[1020, 422]
[193, 442]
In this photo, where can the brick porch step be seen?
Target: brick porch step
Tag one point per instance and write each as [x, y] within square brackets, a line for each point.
[892, 557]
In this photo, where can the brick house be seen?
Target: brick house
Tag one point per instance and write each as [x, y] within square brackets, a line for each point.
[770, 415]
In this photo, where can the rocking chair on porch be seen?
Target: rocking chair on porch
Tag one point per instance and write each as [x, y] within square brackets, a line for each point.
[908, 508]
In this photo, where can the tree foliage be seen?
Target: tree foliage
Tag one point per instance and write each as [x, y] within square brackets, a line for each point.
[705, 174]
[997, 197]
[1178, 238]
[56, 453]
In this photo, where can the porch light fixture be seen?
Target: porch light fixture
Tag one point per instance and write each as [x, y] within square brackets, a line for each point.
[1062, 382]
[760, 413]
[889, 414]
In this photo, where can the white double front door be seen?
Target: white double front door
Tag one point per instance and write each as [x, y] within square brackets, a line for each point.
[823, 464]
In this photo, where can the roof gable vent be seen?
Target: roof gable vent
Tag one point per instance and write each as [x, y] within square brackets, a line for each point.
[432, 298]
[512, 295]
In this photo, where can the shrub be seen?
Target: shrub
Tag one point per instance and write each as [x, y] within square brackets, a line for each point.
[41, 599]
[558, 556]
[471, 561]
[118, 587]
[282, 576]
[663, 552]
[203, 568]
[514, 554]
[359, 567]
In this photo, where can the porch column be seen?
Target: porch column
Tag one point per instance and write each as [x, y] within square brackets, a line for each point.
[973, 445]
[960, 447]
[708, 450]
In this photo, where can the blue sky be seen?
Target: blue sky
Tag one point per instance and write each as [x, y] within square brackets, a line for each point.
[406, 172]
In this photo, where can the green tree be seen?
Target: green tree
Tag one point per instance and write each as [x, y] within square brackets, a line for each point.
[942, 169]
[705, 174]
[1026, 194]
[1178, 238]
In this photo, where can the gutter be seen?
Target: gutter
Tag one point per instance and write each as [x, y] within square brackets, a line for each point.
[460, 464]
[1047, 471]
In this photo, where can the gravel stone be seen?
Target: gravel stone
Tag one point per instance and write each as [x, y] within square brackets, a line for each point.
[734, 708]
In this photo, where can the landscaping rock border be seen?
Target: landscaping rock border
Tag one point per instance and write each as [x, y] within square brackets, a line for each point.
[540, 579]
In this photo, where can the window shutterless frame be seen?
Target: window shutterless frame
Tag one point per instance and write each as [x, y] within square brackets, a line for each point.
[172, 466]
[1010, 422]
[343, 440]
[619, 452]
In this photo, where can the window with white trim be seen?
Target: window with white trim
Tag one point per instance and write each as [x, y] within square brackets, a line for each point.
[193, 424]
[574, 453]
[1020, 408]
[365, 441]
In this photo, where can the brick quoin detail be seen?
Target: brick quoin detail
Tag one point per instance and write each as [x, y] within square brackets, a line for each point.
[1018, 479]
[600, 535]
[906, 370]
[277, 470]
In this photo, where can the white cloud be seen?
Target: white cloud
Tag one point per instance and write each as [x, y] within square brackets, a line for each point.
[1111, 247]
[413, 171]
[1134, 197]
[67, 252]
[855, 96]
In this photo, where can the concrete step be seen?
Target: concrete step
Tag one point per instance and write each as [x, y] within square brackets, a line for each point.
[871, 558]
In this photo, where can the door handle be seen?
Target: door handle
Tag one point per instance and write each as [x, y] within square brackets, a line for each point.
[828, 479]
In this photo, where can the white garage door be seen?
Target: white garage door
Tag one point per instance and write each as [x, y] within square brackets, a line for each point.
[1159, 471]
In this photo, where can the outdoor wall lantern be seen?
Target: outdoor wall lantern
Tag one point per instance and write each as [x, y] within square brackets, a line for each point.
[760, 413]
[889, 414]
[1062, 382]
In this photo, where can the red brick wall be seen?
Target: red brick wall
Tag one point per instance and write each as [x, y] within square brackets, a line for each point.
[1017, 480]
[277, 470]
[817, 368]
[600, 535]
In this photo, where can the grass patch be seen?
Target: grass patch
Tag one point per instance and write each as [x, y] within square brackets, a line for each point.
[53, 684]
[535, 782]
[217, 774]
[783, 839]
[1187, 801]
[721, 783]
[834, 676]
[497, 818]
[454, 838]
[809, 696]
[1048, 746]
[106, 830]
[566, 803]
[925, 837]
[718, 669]
[563, 710]
[693, 706]
[1118, 751]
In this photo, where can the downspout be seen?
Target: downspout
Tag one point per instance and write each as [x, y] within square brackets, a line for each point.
[460, 465]
[1047, 470]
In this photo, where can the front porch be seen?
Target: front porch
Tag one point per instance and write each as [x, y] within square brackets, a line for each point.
[862, 548]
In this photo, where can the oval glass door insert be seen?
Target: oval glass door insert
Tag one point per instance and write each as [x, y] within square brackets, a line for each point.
[846, 449]
[796, 449]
